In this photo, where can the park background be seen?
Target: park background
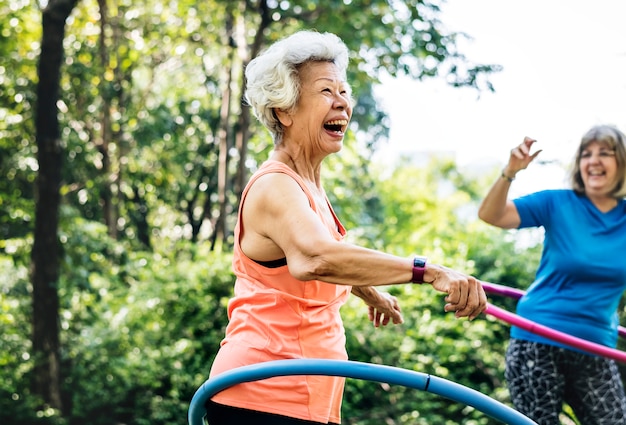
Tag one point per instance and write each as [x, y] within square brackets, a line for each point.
[563, 66]
[124, 147]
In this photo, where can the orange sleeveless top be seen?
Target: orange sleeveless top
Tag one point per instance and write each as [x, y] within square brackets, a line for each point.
[273, 316]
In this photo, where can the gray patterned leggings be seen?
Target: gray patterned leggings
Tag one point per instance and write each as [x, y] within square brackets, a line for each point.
[541, 377]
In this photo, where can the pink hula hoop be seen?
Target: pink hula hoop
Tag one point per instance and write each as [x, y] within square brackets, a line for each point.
[515, 320]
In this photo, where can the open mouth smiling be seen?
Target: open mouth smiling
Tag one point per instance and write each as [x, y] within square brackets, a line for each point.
[336, 126]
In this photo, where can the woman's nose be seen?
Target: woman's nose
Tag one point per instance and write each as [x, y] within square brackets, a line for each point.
[340, 101]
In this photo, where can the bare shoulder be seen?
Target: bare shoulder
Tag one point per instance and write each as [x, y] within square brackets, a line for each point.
[272, 203]
[275, 191]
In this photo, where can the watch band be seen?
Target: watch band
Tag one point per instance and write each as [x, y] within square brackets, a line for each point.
[419, 267]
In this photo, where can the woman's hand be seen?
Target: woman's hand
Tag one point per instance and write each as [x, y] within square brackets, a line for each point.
[520, 157]
[466, 296]
[382, 307]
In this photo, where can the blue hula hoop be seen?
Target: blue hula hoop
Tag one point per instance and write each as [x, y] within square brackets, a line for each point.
[356, 370]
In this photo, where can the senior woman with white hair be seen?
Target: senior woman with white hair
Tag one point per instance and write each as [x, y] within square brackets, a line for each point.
[293, 270]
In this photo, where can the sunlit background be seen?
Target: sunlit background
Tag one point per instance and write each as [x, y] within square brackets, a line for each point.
[564, 70]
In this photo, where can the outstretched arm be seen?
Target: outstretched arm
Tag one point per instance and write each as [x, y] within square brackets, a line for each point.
[283, 225]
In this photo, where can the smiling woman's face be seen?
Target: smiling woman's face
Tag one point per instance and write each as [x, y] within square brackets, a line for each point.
[324, 107]
[598, 168]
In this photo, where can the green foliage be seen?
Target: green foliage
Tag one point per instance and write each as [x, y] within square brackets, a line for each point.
[148, 354]
[139, 328]
[20, 30]
[155, 342]
[16, 405]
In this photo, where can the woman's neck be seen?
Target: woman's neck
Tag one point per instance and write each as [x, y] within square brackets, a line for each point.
[603, 202]
[300, 164]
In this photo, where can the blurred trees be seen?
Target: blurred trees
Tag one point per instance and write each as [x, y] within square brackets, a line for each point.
[151, 97]
[147, 160]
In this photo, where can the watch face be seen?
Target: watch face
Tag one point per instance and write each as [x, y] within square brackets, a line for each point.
[419, 262]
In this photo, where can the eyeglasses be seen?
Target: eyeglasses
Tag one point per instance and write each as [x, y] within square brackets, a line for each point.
[602, 153]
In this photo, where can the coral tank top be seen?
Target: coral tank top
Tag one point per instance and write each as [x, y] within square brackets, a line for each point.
[273, 316]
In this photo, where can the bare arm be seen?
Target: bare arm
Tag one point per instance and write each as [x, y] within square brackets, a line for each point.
[278, 221]
[496, 209]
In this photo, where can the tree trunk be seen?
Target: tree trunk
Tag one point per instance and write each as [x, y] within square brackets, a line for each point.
[45, 255]
[108, 204]
[243, 133]
[219, 228]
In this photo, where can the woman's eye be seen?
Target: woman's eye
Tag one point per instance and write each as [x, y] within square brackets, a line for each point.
[602, 154]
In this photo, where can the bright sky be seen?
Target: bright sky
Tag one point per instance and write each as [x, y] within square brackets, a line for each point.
[564, 70]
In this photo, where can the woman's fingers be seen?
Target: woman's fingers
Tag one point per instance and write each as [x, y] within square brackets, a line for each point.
[466, 297]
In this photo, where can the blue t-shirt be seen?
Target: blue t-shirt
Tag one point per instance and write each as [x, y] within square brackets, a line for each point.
[582, 273]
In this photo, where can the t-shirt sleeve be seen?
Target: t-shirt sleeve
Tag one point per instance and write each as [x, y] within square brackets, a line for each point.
[535, 209]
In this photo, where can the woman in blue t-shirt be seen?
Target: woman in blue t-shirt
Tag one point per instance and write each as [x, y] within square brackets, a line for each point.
[578, 285]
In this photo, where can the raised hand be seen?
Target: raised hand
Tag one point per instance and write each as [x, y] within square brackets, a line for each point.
[520, 157]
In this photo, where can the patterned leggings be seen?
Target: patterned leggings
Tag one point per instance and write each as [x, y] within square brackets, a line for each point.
[541, 377]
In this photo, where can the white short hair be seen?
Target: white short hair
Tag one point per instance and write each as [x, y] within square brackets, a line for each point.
[272, 78]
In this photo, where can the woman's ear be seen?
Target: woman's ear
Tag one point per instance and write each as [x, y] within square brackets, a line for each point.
[283, 117]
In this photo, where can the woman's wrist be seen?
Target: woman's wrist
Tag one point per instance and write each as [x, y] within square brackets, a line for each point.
[423, 272]
[418, 270]
[506, 175]
[432, 273]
